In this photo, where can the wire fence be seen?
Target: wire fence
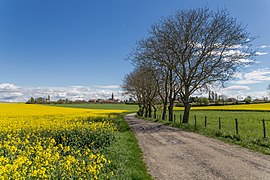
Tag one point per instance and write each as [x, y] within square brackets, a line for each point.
[240, 126]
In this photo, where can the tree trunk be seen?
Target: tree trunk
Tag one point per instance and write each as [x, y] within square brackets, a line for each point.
[171, 99]
[140, 111]
[164, 111]
[186, 112]
[146, 111]
[186, 105]
[149, 111]
[170, 108]
[155, 111]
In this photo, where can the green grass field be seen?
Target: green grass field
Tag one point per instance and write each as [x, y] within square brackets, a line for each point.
[130, 108]
[236, 107]
[250, 123]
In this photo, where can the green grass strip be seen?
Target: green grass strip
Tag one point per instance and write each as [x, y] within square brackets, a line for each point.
[126, 155]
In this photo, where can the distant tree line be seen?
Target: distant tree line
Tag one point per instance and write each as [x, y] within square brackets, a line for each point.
[186, 52]
[39, 100]
[42, 100]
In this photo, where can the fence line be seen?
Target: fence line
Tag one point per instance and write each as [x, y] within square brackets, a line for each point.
[236, 126]
[264, 129]
[219, 121]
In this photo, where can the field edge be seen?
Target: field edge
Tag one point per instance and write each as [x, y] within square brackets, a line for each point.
[127, 155]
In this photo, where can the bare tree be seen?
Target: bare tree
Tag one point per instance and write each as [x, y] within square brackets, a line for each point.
[202, 47]
[211, 47]
[141, 85]
[132, 87]
[151, 53]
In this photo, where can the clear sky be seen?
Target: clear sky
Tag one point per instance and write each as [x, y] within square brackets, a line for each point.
[79, 46]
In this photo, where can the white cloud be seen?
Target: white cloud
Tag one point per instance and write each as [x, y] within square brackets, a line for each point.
[236, 88]
[261, 53]
[109, 87]
[9, 91]
[253, 77]
[264, 46]
[235, 91]
[242, 94]
[246, 60]
[12, 93]
[8, 87]
[239, 92]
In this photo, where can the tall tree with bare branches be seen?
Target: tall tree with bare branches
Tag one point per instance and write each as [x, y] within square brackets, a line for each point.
[141, 85]
[151, 53]
[200, 46]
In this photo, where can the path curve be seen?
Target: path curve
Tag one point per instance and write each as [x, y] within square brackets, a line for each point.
[174, 154]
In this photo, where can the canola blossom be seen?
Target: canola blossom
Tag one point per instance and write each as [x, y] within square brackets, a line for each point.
[240, 107]
[45, 142]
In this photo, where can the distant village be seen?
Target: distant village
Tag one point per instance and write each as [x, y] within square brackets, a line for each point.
[47, 100]
[212, 99]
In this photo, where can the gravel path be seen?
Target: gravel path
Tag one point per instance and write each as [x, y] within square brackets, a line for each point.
[174, 154]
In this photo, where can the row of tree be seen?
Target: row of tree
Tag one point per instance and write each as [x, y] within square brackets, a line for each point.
[186, 52]
[39, 100]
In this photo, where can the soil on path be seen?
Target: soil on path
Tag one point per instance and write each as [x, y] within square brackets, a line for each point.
[174, 154]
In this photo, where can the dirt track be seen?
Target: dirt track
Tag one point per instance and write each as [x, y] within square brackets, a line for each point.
[174, 154]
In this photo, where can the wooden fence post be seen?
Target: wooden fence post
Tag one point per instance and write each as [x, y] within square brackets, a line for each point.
[264, 129]
[219, 123]
[205, 121]
[236, 125]
[195, 121]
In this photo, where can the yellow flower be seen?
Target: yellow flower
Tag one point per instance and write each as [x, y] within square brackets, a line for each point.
[35, 144]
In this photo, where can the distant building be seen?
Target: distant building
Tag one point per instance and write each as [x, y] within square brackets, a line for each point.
[112, 98]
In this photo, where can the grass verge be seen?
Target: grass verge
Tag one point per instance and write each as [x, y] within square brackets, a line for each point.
[126, 155]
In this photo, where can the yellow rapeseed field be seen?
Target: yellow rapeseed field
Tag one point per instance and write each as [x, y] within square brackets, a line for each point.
[240, 107]
[44, 142]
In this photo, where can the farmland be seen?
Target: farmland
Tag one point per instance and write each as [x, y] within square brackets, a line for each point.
[102, 106]
[240, 107]
[91, 141]
[250, 123]
[44, 142]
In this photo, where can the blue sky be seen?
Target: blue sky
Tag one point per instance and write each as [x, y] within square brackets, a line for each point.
[56, 47]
